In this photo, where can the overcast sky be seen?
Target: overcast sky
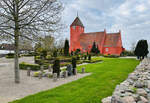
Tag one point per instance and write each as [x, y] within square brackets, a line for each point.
[132, 17]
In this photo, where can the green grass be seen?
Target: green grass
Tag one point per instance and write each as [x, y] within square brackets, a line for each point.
[91, 89]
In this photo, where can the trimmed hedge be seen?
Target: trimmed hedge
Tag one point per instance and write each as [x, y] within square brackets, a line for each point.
[33, 67]
[91, 61]
[10, 55]
[111, 56]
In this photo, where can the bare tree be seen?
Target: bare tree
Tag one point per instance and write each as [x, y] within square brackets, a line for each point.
[29, 19]
[133, 45]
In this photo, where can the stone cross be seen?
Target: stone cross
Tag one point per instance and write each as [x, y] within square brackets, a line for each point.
[28, 71]
[55, 77]
[83, 70]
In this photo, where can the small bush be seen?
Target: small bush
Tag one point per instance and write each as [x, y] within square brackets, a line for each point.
[56, 67]
[44, 54]
[37, 57]
[85, 57]
[74, 62]
[48, 57]
[55, 53]
[78, 57]
[127, 53]
[89, 57]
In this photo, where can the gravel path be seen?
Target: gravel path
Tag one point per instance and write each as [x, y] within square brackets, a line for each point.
[10, 91]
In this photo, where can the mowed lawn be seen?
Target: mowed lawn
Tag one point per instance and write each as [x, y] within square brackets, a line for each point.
[91, 89]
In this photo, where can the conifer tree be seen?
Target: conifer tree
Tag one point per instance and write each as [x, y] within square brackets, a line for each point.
[93, 50]
[97, 50]
[66, 48]
[141, 49]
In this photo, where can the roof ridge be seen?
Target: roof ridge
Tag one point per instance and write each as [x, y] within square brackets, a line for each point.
[95, 32]
[113, 33]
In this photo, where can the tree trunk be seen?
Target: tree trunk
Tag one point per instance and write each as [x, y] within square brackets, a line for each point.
[16, 32]
[16, 64]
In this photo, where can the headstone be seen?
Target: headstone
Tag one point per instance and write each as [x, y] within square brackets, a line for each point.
[54, 77]
[75, 71]
[40, 75]
[69, 69]
[65, 74]
[83, 70]
[50, 69]
[42, 68]
[28, 71]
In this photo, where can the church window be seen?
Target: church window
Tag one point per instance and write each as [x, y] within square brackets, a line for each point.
[106, 49]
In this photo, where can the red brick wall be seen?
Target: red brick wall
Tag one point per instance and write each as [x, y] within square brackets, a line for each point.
[75, 32]
[112, 50]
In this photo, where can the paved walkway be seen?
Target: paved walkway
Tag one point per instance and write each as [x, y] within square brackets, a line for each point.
[10, 91]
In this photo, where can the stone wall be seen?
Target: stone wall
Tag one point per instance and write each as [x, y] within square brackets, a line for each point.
[135, 89]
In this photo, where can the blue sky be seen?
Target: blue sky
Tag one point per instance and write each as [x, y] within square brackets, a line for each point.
[132, 17]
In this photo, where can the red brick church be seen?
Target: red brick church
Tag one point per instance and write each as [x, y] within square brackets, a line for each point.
[108, 43]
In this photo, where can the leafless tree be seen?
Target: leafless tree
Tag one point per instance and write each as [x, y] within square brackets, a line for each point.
[133, 45]
[29, 19]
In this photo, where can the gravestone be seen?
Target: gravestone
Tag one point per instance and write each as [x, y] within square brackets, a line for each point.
[70, 69]
[28, 71]
[65, 74]
[54, 77]
[83, 70]
[56, 67]
[40, 75]
[42, 68]
[50, 69]
[75, 71]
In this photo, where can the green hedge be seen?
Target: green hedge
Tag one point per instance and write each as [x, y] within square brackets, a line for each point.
[33, 67]
[92, 61]
[111, 56]
[10, 55]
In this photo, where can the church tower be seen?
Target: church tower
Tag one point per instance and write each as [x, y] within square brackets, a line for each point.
[76, 28]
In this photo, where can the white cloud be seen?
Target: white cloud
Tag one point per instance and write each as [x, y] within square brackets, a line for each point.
[141, 8]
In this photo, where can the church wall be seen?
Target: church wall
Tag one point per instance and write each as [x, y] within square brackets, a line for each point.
[112, 50]
[75, 32]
